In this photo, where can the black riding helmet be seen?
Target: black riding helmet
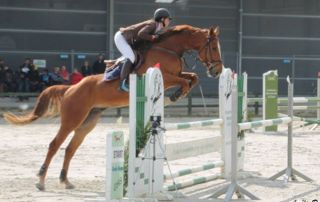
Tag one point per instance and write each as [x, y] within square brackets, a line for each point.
[161, 13]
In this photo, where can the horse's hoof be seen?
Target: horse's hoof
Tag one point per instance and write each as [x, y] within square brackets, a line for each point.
[70, 186]
[67, 184]
[167, 101]
[40, 186]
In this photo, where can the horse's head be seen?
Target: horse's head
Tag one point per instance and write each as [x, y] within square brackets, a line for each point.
[210, 53]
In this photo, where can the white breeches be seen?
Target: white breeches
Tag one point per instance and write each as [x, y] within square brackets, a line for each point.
[123, 46]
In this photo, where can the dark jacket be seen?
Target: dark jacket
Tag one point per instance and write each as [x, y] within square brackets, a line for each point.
[98, 67]
[24, 72]
[86, 71]
[2, 74]
[141, 31]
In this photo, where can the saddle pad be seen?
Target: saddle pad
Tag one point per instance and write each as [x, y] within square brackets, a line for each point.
[113, 72]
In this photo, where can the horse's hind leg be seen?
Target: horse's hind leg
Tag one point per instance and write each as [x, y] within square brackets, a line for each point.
[68, 123]
[79, 134]
[53, 147]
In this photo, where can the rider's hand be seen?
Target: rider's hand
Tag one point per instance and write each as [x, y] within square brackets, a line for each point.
[155, 37]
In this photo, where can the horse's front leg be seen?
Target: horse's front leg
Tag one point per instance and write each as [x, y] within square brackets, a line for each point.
[171, 81]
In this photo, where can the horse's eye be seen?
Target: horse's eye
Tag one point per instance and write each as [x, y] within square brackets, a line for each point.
[214, 49]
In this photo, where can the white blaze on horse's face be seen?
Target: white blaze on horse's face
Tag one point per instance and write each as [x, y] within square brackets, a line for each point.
[214, 62]
[219, 49]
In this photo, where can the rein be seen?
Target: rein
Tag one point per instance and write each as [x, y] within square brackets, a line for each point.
[167, 50]
[183, 59]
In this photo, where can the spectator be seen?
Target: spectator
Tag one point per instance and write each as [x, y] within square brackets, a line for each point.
[99, 66]
[64, 74]
[55, 76]
[76, 76]
[34, 78]
[86, 69]
[10, 80]
[24, 83]
[2, 64]
[45, 79]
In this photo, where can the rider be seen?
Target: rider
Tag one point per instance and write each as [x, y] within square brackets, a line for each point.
[126, 37]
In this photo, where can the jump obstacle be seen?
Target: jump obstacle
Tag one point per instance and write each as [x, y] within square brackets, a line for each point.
[142, 178]
[272, 103]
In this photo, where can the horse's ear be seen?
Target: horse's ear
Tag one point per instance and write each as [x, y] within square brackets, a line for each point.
[217, 30]
[214, 31]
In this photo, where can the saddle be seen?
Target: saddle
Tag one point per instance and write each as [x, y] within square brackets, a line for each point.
[113, 67]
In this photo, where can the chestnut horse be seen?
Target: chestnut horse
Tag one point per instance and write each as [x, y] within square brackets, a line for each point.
[80, 105]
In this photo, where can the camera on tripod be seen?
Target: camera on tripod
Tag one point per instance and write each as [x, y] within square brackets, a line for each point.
[155, 124]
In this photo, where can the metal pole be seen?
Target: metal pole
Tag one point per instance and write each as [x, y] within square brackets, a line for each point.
[72, 60]
[189, 105]
[318, 95]
[111, 29]
[290, 114]
[293, 68]
[240, 37]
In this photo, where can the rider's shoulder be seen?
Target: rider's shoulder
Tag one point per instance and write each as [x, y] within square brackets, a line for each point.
[149, 22]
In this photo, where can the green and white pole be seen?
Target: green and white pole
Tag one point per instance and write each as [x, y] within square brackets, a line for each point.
[193, 124]
[196, 169]
[192, 182]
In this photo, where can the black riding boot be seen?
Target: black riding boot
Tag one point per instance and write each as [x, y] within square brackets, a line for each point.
[125, 71]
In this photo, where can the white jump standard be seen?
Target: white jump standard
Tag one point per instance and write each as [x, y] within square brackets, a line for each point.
[290, 172]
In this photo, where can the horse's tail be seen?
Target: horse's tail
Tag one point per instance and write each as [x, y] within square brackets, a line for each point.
[47, 105]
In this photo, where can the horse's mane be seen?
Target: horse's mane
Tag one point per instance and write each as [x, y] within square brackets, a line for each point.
[144, 46]
[176, 30]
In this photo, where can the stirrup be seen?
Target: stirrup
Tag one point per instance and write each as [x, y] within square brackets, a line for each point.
[124, 86]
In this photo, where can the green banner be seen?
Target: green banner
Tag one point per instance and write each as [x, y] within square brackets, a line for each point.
[270, 97]
[240, 97]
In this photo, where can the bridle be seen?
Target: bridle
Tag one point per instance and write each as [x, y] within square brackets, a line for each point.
[209, 61]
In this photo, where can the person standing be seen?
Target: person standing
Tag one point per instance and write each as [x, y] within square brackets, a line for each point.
[24, 73]
[99, 66]
[2, 76]
[34, 79]
[10, 80]
[86, 69]
[64, 74]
